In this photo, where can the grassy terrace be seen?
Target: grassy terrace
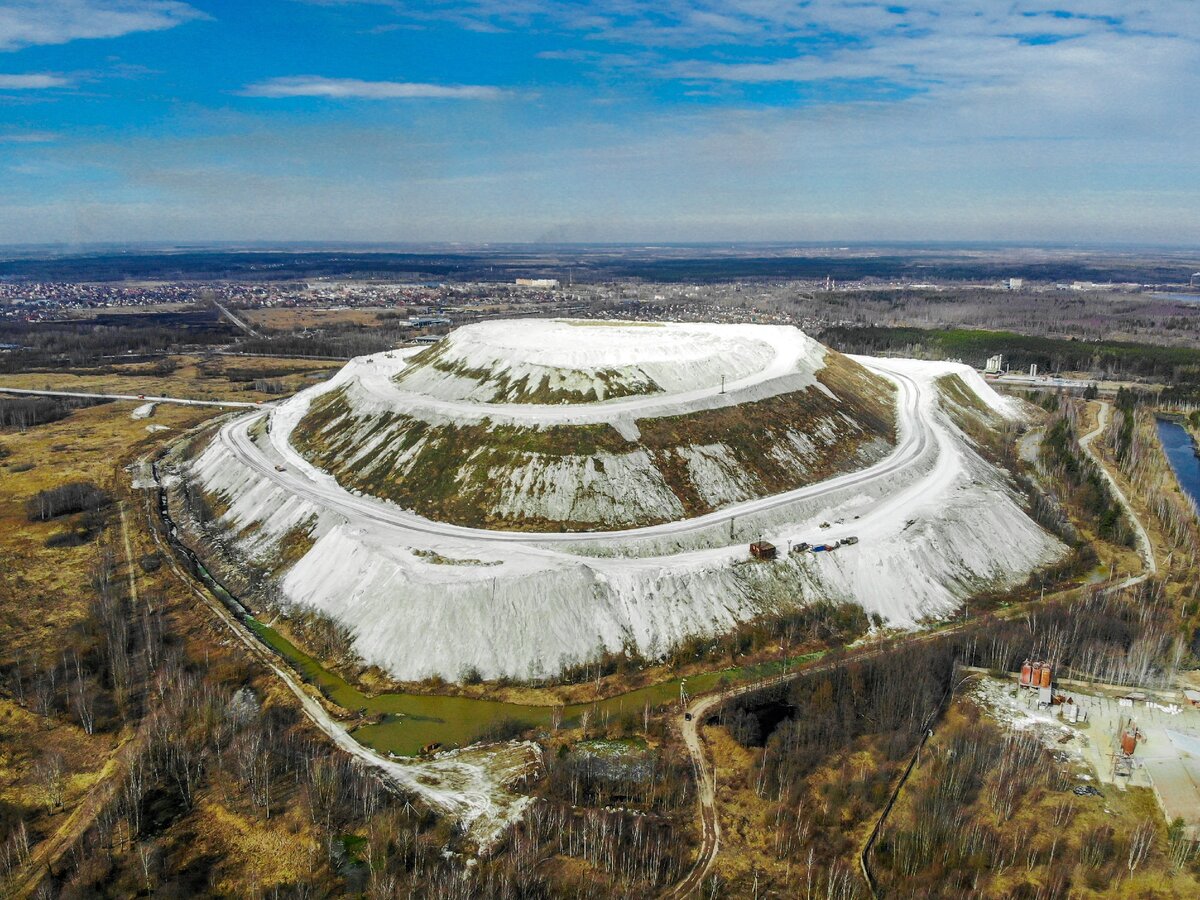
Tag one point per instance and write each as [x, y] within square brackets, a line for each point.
[462, 467]
[974, 346]
[527, 390]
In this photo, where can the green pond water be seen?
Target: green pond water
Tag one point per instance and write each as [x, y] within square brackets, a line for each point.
[411, 721]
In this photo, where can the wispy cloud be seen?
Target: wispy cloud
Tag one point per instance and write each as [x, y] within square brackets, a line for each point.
[656, 120]
[25, 23]
[712, 22]
[28, 137]
[356, 89]
[872, 48]
[33, 81]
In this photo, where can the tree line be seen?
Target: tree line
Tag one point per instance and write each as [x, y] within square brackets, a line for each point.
[28, 412]
[974, 346]
[826, 747]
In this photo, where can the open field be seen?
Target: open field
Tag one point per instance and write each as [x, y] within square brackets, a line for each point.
[291, 319]
[191, 377]
[998, 809]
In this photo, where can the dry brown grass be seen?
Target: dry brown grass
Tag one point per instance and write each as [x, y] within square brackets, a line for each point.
[189, 381]
[287, 319]
[45, 594]
[254, 852]
[25, 739]
[43, 590]
[1035, 819]
[749, 830]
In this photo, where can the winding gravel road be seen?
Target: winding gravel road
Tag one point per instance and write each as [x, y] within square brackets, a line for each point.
[139, 398]
[700, 708]
[916, 426]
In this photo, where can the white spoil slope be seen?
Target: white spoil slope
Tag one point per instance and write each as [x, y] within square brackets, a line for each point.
[560, 358]
[392, 424]
[757, 362]
[935, 524]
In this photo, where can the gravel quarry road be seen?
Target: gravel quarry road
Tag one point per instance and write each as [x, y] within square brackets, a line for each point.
[1145, 547]
[916, 427]
[140, 398]
[700, 708]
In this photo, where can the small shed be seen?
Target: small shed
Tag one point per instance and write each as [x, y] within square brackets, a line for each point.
[763, 550]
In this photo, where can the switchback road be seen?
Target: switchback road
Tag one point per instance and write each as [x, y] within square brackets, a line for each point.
[917, 428]
[138, 398]
[690, 722]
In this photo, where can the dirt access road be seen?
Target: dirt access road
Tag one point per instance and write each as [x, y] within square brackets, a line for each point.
[137, 398]
[700, 708]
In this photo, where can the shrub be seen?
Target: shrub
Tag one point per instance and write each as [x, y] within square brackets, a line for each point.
[74, 538]
[502, 730]
[77, 496]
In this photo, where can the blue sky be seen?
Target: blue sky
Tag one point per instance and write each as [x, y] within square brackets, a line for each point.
[615, 120]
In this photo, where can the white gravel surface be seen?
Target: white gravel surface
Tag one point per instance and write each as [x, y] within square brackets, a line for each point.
[936, 523]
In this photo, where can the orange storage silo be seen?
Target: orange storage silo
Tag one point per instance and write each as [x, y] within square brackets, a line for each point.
[1045, 676]
[1128, 742]
[1026, 674]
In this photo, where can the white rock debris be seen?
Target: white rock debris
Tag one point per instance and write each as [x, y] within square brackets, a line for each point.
[935, 521]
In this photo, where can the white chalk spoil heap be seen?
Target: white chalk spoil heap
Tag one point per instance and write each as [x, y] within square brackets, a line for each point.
[578, 426]
[935, 521]
[562, 358]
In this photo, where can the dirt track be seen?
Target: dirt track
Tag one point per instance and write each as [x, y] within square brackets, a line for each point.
[710, 840]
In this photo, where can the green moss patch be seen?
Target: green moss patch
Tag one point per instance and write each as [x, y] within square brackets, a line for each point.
[457, 473]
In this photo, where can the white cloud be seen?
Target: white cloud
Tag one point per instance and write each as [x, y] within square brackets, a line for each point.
[25, 23]
[353, 88]
[682, 23]
[32, 81]
[28, 137]
[1021, 125]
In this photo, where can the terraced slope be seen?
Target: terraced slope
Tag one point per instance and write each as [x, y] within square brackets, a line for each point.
[556, 361]
[582, 475]
[936, 522]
